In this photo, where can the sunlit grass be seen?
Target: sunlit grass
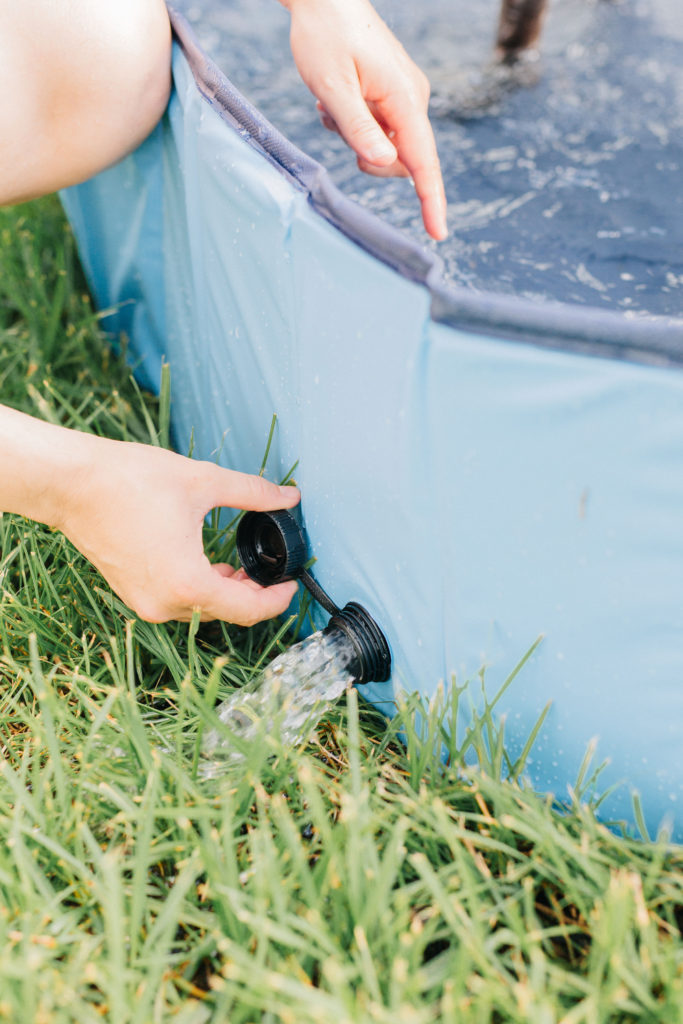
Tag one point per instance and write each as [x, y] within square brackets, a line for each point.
[360, 878]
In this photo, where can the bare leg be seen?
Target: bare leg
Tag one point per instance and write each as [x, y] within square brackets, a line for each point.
[519, 27]
[82, 82]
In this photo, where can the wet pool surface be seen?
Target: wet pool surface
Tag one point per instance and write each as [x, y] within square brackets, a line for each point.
[567, 186]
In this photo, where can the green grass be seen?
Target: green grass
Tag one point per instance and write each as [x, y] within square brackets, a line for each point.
[355, 879]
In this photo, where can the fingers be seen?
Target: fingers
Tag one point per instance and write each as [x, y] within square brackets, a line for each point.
[235, 598]
[229, 594]
[344, 110]
[396, 170]
[417, 152]
[223, 569]
[327, 121]
[238, 575]
[416, 157]
[218, 591]
[230, 489]
[371, 92]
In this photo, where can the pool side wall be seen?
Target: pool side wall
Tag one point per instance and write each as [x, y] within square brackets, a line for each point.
[474, 487]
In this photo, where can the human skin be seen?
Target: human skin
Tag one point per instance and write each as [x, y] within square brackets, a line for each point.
[370, 91]
[82, 83]
[137, 511]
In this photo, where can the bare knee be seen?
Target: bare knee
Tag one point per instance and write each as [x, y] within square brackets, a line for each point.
[82, 83]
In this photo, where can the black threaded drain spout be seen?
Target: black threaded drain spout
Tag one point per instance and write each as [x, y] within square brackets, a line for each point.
[372, 658]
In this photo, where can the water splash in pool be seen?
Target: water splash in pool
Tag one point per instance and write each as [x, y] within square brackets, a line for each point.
[292, 694]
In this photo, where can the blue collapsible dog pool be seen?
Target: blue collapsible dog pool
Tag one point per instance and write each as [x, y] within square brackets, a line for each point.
[480, 462]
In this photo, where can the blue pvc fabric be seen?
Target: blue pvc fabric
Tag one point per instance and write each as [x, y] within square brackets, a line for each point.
[476, 471]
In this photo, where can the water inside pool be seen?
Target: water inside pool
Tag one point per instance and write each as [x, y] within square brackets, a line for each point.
[566, 187]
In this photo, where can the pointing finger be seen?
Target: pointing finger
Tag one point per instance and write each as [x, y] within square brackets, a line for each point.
[417, 152]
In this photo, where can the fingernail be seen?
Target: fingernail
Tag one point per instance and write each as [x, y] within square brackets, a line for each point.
[288, 492]
[380, 152]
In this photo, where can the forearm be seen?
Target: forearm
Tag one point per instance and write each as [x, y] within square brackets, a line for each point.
[42, 466]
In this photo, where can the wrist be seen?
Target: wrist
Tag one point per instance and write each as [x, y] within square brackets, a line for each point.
[43, 467]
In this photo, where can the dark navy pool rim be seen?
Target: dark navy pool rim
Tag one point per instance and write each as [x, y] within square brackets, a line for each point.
[550, 324]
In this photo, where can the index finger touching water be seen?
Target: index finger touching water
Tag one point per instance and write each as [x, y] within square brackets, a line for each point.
[416, 147]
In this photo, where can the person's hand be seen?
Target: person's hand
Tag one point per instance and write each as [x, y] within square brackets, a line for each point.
[371, 92]
[136, 512]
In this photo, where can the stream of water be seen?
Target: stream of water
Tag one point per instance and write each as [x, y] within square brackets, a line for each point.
[290, 696]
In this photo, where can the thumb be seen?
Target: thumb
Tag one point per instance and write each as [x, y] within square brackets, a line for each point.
[358, 127]
[228, 488]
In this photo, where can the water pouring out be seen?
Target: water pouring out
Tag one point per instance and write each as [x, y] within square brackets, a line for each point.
[293, 693]
[298, 686]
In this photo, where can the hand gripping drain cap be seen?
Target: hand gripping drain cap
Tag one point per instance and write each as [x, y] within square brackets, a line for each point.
[271, 546]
